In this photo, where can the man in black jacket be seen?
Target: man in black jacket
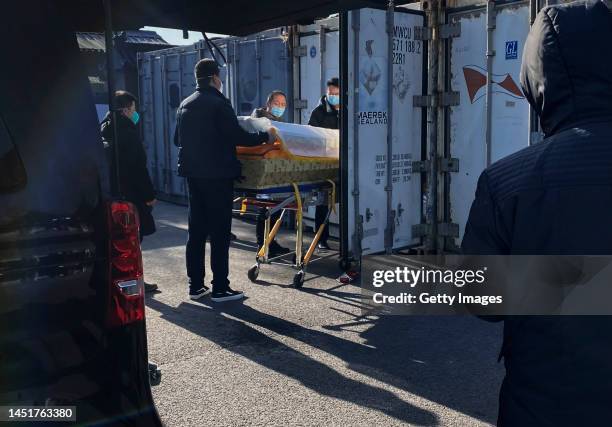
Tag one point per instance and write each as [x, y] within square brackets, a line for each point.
[207, 133]
[326, 115]
[134, 180]
[556, 198]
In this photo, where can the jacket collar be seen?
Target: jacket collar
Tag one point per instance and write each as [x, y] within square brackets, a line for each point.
[209, 89]
[328, 107]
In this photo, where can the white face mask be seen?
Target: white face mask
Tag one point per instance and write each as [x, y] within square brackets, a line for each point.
[220, 88]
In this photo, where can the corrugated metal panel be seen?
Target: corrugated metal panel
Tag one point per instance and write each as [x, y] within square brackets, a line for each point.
[142, 37]
[91, 42]
[96, 41]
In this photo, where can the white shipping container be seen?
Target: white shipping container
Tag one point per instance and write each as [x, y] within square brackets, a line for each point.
[368, 126]
[509, 109]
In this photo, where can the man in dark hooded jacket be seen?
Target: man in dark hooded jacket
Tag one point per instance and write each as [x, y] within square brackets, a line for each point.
[556, 198]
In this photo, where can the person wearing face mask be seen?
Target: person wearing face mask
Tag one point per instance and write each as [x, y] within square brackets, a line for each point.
[326, 115]
[274, 110]
[207, 133]
[134, 179]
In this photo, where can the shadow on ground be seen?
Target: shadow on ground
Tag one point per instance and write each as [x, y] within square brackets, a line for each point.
[444, 364]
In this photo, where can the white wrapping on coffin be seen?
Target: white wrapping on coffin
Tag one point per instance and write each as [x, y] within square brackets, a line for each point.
[300, 140]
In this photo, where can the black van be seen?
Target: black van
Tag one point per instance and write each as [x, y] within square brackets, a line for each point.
[72, 313]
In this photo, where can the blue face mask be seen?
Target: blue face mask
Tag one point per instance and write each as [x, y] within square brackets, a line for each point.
[135, 117]
[277, 111]
[333, 100]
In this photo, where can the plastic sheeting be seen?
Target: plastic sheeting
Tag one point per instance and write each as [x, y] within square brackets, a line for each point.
[299, 140]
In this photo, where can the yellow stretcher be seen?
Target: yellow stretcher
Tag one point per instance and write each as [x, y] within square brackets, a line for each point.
[286, 176]
[277, 200]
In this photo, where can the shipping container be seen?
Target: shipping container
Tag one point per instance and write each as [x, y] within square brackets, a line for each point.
[256, 66]
[414, 139]
[382, 130]
[481, 132]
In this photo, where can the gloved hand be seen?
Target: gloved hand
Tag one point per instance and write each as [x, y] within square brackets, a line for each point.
[272, 135]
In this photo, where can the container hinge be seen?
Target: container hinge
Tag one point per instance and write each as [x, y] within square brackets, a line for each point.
[300, 51]
[444, 99]
[258, 49]
[421, 166]
[359, 231]
[300, 104]
[420, 230]
[448, 164]
[445, 229]
[446, 31]
[450, 31]
[423, 33]
[448, 229]
[322, 40]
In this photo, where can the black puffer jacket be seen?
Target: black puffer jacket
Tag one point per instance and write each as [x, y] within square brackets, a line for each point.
[134, 178]
[207, 134]
[324, 116]
[556, 198]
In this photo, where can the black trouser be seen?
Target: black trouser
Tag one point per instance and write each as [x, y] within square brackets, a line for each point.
[261, 225]
[210, 215]
[320, 215]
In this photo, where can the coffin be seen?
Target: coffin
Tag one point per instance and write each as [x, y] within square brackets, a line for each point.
[301, 155]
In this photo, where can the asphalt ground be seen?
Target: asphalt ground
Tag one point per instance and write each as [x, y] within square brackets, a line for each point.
[288, 357]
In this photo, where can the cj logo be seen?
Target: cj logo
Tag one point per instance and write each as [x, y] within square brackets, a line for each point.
[476, 82]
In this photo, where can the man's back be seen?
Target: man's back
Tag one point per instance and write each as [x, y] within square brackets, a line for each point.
[556, 198]
[204, 150]
[553, 198]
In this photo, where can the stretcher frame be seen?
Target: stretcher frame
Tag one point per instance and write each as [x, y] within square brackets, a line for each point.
[283, 201]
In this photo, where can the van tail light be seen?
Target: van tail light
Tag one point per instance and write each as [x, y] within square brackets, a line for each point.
[126, 303]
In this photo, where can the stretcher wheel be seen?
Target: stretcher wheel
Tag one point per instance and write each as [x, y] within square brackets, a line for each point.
[253, 273]
[298, 279]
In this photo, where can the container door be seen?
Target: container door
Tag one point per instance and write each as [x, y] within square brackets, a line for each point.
[368, 126]
[510, 110]
[316, 68]
[275, 71]
[161, 163]
[247, 80]
[146, 105]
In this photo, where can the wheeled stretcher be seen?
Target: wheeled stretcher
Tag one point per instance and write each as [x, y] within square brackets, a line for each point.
[285, 199]
[287, 176]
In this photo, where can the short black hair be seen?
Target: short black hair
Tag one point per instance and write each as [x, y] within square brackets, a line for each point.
[334, 81]
[274, 94]
[124, 99]
[205, 69]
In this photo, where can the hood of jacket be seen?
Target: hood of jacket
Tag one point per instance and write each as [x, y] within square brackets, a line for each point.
[567, 61]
